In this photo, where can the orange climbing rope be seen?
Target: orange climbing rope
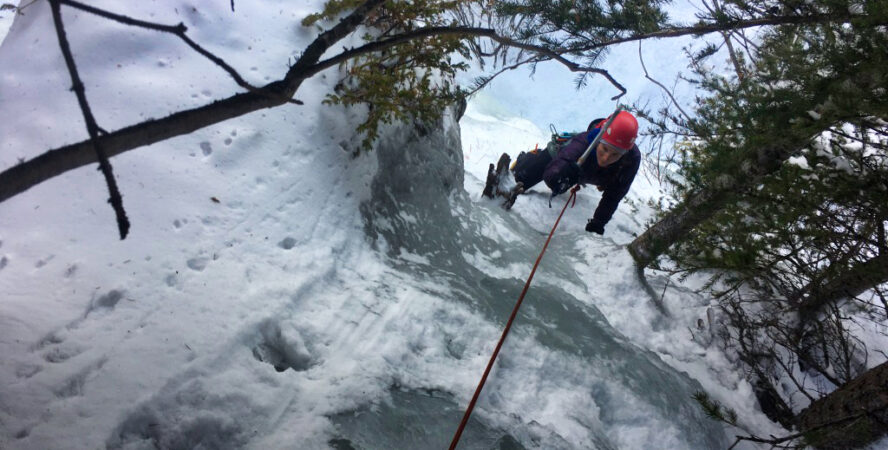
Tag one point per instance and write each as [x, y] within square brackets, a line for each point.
[499, 345]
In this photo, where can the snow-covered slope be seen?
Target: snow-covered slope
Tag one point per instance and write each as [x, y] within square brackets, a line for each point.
[277, 292]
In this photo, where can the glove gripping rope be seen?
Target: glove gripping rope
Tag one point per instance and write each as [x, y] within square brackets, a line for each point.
[499, 345]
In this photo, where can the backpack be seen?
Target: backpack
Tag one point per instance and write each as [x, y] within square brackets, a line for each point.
[557, 141]
[528, 167]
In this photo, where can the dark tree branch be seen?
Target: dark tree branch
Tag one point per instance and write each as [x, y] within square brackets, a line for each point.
[880, 237]
[468, 31]
[178, 30]
[116, 200]
[21, 7]
[306, 66]
[730, 25]
[54, 162]
[500, 72]
[774, 440]
[125, 20]
[667, 91]
[716, 9]
[57, 161]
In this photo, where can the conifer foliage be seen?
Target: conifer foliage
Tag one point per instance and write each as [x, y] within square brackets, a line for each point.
[411, 80]
[784, 175]
[791, 156]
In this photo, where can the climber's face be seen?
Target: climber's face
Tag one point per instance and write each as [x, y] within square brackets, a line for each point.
[608, 154]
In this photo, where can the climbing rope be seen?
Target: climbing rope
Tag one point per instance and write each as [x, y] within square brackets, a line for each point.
[499, 345]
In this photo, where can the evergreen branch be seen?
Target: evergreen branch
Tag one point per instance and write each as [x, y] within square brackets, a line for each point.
[713, 409]
[775, 440]
[462, 31]
[716, 9]
[307, 65]
[732, 25]
[487, 80]
[92, 128]
[21, 177]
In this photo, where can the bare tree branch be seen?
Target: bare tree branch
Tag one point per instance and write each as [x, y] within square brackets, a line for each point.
[500, 72]
[54, 162]
[57, 161]
[178, 30]
[116, 200]
[666, 90]
[468, 31]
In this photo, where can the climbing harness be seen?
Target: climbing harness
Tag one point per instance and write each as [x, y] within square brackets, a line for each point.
[572, 200]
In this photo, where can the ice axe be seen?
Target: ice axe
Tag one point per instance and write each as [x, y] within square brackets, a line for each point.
[598, 136]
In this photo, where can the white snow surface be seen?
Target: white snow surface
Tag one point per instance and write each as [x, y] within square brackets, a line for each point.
[262, 244]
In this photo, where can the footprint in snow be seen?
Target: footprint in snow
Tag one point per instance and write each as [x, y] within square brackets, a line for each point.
[105, 302]
[42, 262]
[73, 385]
[282, 350]
[198, 264]
[55, 349]
[27, 370]
[288, 243]
[185, 415]
[61, 353]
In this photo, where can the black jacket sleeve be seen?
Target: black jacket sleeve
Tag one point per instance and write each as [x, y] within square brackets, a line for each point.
[560, 167]
[618, 187]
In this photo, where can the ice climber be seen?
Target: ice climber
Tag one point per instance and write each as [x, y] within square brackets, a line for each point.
[611, 167]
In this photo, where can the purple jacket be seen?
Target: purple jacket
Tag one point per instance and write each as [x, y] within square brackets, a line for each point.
[615, 179]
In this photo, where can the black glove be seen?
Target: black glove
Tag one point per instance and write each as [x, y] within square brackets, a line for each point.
[594, 226]
[569, 176]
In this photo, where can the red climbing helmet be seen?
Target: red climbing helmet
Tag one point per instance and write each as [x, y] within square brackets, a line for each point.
[622, 131]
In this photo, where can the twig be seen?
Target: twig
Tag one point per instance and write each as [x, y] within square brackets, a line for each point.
[116, 200]
[715, 10]
[20, 8]
[663, 295]
[51, 163]
[731, 25]
[500, 72]
[177, 30]
[465, 31]
[776, 440]
[884, 301]
[646, 75]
